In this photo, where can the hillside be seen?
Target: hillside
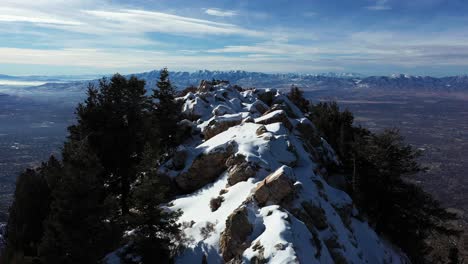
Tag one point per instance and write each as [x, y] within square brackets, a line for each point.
[256, 186]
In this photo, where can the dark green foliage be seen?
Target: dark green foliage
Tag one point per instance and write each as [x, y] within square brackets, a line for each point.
[399, 209]
[453, 256]
[77, 211]
[80, 227]
[378, 166]
[335, 126]
[112, 119]
[28, 211]
[296, 96]
[155, 229]
[166, 114]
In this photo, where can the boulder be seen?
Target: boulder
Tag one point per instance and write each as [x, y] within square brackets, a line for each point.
[205, 86]
[204, 169]
[217, 126]
[261, 130]
[233, 239]
[235, 159]
[276, 187]
[241, 172]
[259, 106]
[275, 117]
[266, 95]
[222, 110]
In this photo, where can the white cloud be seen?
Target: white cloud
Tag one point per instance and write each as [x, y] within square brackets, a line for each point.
[104, 19]
[380, 5]
[31, 16]
[220, 13]
[129, 20]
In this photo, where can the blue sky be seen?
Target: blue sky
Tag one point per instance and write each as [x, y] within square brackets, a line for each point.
[372, 37]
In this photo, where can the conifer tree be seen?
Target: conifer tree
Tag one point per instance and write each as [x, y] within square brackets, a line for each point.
[166, 113]
[155, 230]
[113, 121]
[27, 213]
[296, 96]
[80, 227]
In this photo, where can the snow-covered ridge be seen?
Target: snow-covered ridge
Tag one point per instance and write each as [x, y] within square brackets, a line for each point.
[256, 189]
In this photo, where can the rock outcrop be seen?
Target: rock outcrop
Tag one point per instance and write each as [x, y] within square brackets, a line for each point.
[275, 188]
[274, 117]
[255, 187]
[204, 169]
[241, 172]
[233, 239]
[217, 126]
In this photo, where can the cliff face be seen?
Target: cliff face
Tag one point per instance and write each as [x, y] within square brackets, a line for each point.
[256, 190]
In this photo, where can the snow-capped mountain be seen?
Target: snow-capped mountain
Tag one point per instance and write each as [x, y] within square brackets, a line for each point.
[74, 91]
[256, 186]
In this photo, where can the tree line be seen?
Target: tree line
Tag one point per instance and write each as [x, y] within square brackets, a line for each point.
[78, 209]
[378, 169]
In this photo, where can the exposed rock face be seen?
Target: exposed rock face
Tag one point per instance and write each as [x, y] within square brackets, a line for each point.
[261, 130]
[205, 168]
[233, 239]
[314, 216]
[222, 110]
[239, 169]
[241, 172]
[309, 134]
[217, 126]
[275, 188]
[205, 86]
[274, 117]
[260, 107]
[267, 96]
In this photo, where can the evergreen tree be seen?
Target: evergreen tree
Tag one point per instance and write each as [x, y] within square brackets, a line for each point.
[80, 227]
[167, 113]
[113, 121]
[378, 166]
[296, 96]
[155, 231]
[336, 127]
[27, 213]
[397, 208]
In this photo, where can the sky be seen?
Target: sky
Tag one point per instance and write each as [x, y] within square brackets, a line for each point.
[371, 37]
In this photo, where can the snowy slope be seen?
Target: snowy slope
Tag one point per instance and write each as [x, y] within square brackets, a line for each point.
[276, 206]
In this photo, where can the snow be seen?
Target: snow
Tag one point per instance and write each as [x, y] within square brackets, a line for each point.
[201, 209]
[283, 237]
[269, 116]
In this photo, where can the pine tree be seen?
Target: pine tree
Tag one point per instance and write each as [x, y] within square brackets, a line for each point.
[167, 113]
[29, 210]
[80, 227]
[155, 230]
[113, 120]
[399, 209]
[296, 96]
[336, 127]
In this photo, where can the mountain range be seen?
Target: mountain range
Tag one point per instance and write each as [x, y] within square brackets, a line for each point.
[72, 88]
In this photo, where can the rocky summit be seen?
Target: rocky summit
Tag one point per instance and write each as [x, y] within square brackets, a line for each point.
[253, 184]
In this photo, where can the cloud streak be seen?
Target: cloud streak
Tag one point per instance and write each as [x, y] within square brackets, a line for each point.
[220, 13]
[380, 5]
